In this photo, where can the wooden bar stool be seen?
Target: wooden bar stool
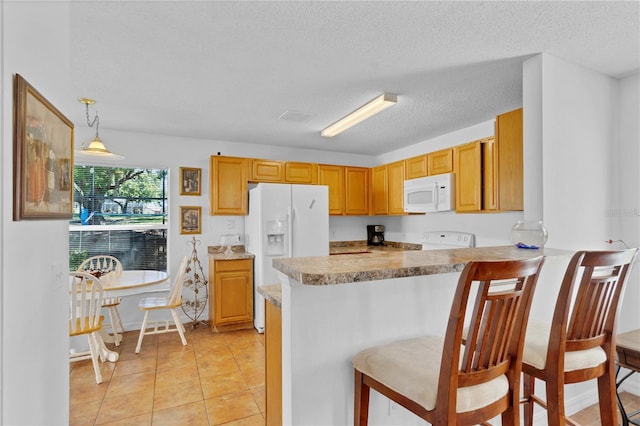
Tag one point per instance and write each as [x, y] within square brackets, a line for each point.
[579, 344]
[446, 383]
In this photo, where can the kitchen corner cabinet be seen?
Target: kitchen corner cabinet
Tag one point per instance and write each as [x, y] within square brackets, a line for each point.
[396, 188]
[230, 294]
[228, 185]
[439, 162]
[379, 190]
[509, 170]
[266, 171]
[333, 177]
[356, 191]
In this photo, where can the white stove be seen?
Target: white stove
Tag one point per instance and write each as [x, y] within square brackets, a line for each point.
[434, 240]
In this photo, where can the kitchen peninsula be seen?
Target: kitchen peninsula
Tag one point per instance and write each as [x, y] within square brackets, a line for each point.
[334, 306]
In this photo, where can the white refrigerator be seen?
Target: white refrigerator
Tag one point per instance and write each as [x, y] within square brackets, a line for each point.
[284, 221]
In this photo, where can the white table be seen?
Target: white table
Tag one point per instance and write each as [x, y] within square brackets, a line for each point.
[127, 283]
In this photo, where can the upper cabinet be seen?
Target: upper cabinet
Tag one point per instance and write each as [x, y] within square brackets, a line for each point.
[396, 187]
[333, 177]
[440, 162]
[228, 185]
[510, 160]
[416, 167]
[489, 177]
[489, 172]
[266, 171]
[356, 181]
[380, 190]
[387, 189]
[300, 172]
[468, 170]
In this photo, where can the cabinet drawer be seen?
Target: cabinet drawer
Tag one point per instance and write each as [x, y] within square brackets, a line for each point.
[232, 265]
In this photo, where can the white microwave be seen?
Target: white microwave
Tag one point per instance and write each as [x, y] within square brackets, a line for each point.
[430, 194]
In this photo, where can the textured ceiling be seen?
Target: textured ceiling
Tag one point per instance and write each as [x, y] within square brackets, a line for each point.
[228, 70]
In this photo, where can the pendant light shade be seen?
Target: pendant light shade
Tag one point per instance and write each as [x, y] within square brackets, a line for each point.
[95, 147]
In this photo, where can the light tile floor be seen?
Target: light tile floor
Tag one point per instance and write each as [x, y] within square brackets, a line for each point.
[216, 379]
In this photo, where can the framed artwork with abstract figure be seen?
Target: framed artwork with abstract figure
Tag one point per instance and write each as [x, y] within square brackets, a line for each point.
[190, 219]
[190, 180]
[42, 156]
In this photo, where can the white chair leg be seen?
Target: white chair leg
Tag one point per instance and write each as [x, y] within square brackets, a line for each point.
[144, 327]
[93, 349]
[179, 326]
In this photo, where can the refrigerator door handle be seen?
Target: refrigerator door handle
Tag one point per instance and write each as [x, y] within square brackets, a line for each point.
[290, 216]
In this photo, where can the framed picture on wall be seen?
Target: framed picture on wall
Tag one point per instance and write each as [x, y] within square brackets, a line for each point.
[42, 156]
[190, 219]
[190, 180]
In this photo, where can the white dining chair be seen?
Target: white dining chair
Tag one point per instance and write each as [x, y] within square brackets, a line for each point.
[98, 266]
[171, 301]
[85, 303]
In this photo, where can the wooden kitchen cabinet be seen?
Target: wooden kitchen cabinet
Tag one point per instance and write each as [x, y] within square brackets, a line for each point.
[300, 172]
[416, 167]
[509, 168]
[228, 185]
[266, 171]
[333, 177]
[379, 190]
[273, 363]
[468, 169]
[356, 191]
[439, 162]
[230, 294]
[396, 188]
[387, 189]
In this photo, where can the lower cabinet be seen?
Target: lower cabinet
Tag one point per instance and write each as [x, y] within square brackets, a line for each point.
[230, 294]
[273, 363]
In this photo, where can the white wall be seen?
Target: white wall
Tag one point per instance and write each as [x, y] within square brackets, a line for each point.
[583, 125]
[626, 214]
[34, 364]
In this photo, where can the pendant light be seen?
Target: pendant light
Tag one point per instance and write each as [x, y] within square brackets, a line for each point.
[95, 147]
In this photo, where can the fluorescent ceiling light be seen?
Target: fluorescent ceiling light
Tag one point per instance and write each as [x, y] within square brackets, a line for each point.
[365, 111]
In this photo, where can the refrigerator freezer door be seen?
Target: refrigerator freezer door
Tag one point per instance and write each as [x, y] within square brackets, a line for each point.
[310, 220]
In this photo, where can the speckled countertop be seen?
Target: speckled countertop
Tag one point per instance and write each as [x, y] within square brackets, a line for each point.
[238, 252]
[273, 294]
[379, 265]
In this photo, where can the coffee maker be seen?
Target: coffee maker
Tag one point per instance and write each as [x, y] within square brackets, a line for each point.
[375, 235]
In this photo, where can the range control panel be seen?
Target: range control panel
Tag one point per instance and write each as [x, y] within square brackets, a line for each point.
[447, 239]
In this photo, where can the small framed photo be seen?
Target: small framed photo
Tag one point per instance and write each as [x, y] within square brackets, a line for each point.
[190, 219]
[190, 181]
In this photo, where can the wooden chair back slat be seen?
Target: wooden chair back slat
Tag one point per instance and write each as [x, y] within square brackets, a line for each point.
[85, 302]
[101, 263]
[497, 321]
[597, 298]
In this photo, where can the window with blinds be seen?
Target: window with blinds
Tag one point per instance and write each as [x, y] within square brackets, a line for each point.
[121, 212]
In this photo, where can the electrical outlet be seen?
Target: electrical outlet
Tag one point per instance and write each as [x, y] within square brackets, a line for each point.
[424, 236]
[230, 224]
